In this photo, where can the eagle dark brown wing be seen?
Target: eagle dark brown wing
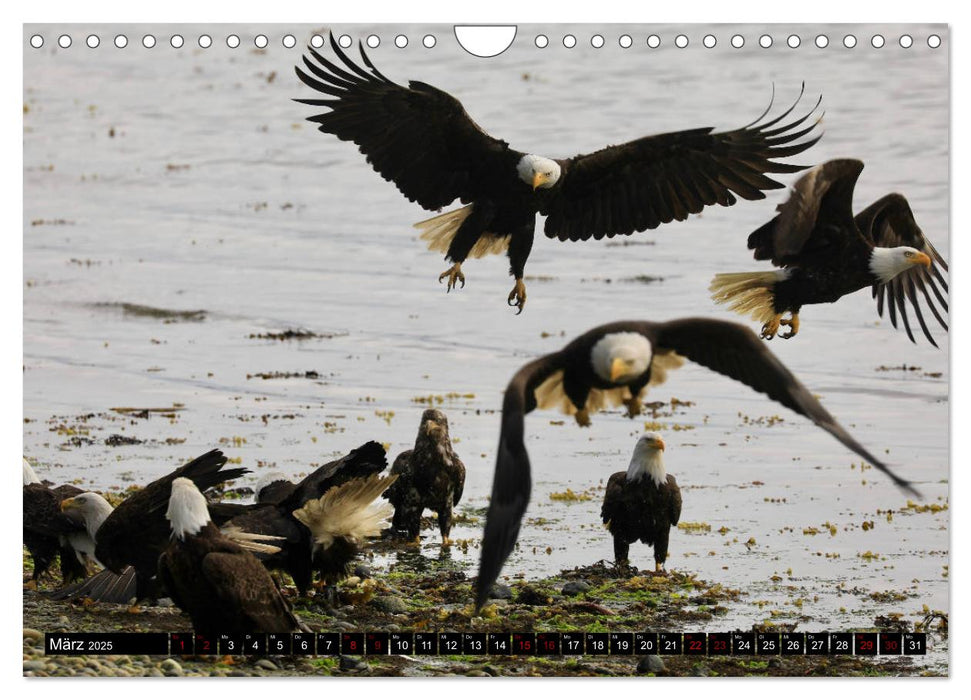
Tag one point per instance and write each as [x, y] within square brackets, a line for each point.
[654, 180]
[244, 587]
[361, 462]
[888, 223]
[418, 137]
[735, 351]
[816, 220]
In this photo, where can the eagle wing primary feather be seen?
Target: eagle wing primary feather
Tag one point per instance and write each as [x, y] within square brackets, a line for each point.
[418, 137]
[889, 222]
[735, 351]
[654, 180]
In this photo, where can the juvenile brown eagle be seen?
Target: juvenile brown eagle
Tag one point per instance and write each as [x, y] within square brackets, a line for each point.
[429, 476]
[612, 365]
[643, 503]
[421, 139]
[825, 253]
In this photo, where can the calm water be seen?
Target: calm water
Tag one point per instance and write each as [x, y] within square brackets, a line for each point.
[188, 180]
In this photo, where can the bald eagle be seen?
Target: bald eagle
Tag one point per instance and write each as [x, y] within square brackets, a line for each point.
[275, 515]
[49, 533]
[612, 365]
[220, 585]
[130, 539]
[643, 503]
[825, 253]
[421, 139]
[429, 476]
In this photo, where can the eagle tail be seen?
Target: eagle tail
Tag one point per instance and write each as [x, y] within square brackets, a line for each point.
[348, 511]
[105, 587]
[252, 541]
[439, 232]
[748, 293]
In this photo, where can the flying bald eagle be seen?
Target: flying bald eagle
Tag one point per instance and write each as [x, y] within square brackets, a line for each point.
[275, 515]
[643, 503]
[131, 538]
[612, 365]
[220, 585]
[49, 533]
[429, 476]
[825, 253]
[421, 139]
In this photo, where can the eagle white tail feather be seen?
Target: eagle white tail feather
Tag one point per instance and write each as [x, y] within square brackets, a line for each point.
[252, 541]
[748, 293]
[348, 511]
[440, 230]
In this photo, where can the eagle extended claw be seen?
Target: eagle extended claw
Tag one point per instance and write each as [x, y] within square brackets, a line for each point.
[583, 418]
[793, 323]
[517, 297]
[453, 273]
[770, 329]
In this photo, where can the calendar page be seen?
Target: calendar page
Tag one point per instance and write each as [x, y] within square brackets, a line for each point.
[520, 350]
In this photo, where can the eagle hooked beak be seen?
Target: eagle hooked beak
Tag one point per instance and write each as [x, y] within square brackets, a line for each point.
[658, 443]
[539, 179]
[67, 504]
[923, 259]
[618, 368]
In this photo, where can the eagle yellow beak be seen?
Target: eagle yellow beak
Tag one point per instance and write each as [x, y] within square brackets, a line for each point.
[923, 259]
[657, 443]
[67, 504]
[618, 368]
[538, 179]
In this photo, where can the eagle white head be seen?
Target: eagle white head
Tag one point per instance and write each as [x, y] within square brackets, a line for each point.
[89, 508]
[29, 476]
[188, 512]
[647, 459]
[538, 172]
[621, 357]
[887, 263]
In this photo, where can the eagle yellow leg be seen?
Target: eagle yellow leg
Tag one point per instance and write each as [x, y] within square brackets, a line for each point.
[446, 542]
[793, 323]
[633, 407]
[454, 274]
[770, 329]
[134, 610]
[517, 297]
[583, 418]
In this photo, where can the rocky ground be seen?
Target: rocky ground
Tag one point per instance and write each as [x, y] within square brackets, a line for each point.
[594, 599]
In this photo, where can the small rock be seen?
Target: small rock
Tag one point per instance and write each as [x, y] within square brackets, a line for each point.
[491, 670]
[362, 571]
[775, 662]
[63, 621]
[390, 604]
[573, 588]
[171, 667]
[477, 673]
[33, 635]
[701, 671]
[267, 665]
[532, 596]
[349, 663]
[35, 665]
[651, 664]
[500, 591]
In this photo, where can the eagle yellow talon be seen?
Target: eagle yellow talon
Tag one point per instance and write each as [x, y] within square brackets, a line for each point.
[517, 297]
[454, 273]
[582, 418]
[770, 329]
[793, 323]
[633, 407]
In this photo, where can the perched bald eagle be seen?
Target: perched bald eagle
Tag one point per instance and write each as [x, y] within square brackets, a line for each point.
[826, 253]
[49, 533]
[429, 476]
[220, 585]
[612, 365]
[421, 139]
[131, 538]
[275, 515]
[643, 503]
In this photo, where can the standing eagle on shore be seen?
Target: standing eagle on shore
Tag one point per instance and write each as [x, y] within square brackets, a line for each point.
[220, 585]
[825, 253]
[643, 503]
[612, 365]
[430, 476]
[422, 139]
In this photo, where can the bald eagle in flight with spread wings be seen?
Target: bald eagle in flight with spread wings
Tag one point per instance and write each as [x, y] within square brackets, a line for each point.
[422, 139]
[612, 365]
[825, 253]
